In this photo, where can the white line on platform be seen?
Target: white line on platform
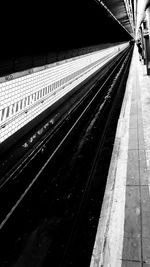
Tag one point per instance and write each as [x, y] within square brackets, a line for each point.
[109, 239]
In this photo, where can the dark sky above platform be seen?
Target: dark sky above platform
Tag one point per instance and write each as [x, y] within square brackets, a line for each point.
[45, 26]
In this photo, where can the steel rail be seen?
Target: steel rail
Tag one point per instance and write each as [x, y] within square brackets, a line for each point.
[23, 162]
[58, 147]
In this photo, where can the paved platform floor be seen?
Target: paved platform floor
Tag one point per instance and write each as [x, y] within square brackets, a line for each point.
[123, 235]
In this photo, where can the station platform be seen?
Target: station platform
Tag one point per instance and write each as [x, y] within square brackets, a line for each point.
[123, 234]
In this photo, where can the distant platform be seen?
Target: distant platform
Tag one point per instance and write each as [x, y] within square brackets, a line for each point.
[123, 234]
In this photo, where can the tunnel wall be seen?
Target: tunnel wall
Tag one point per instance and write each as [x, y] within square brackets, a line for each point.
[26, 95]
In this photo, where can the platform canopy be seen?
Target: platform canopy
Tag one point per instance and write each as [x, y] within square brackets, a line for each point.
[124, 11]
[141, 8]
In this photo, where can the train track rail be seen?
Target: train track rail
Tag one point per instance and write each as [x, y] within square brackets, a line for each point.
[85, 210]
[34, 142]
[68, 196]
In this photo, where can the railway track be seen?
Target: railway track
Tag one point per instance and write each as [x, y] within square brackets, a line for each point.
[32, 143]
[89, 208]
[58, 177]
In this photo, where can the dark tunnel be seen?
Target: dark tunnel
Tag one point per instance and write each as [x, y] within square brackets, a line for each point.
[52, 26]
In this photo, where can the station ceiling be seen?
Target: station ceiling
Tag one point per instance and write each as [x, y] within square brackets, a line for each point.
[124, 11]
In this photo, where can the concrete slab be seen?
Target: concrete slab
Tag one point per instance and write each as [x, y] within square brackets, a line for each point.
[145, 207]
[144, 172]
[146, 250]
[133, 138]
[126, 263]
[132, 249]
[141, 137]
[133, 172]
[132, 223]
[133, 121]
[134, 108]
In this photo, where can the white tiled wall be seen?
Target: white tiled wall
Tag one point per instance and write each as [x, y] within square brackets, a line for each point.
[24, 98]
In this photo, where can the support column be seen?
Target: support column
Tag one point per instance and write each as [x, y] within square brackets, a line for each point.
[143, 45]
[146, 42]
